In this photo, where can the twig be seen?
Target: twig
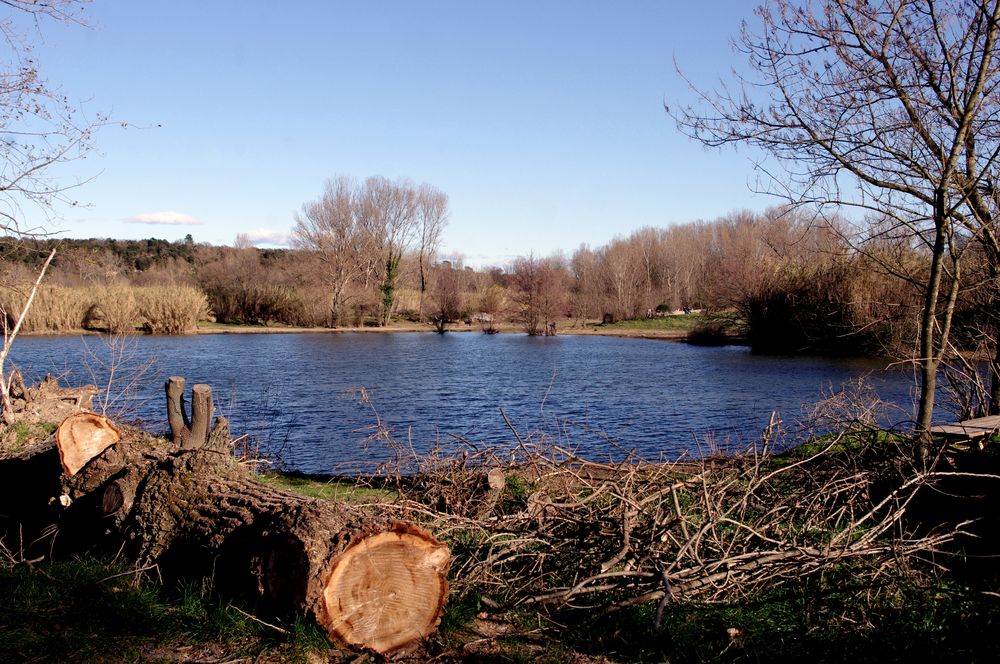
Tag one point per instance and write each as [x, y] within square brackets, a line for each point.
[256, 619]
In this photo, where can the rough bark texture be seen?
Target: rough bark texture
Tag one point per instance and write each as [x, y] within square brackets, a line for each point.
[189, 433]
[367, 580]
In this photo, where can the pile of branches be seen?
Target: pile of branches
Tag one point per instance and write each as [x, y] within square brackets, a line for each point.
[547, 528]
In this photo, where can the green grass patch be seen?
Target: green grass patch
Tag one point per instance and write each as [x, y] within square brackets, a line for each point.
[336, 490]
[21, 435]
[30, 432]
[838, 443]
[678, 323]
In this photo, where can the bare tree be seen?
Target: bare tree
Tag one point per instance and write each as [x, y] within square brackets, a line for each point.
[624, 274]
[41, 127]
[886, 107]
[432, 215]
[539, 286]
[490, 301]
[332, 228]
[586, 296]
[388, 210]
[447, 295]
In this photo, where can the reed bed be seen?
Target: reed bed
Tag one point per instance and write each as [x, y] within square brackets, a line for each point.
[171, 309]
[118, 309]
[55, 308]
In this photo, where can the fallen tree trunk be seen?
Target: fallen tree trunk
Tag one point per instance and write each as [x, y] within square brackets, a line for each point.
[368, 580]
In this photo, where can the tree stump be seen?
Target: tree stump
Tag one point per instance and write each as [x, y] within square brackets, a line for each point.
[189, 433]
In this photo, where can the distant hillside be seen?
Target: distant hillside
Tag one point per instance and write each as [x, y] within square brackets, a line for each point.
[131, 255]
[137, 255]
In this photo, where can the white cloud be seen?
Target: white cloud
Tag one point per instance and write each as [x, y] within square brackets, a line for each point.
[259, 236]
[165, 218]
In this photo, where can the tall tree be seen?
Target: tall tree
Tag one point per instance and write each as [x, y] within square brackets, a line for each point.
[388, 210]
[432, 215]
[888, 107]
[333, 229]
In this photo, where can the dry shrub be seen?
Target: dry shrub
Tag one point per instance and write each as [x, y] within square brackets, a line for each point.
[171, 309]
[54, 309]
[116, 309]
[311, 308]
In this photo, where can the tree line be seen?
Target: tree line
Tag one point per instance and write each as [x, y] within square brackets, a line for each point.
[783, 280]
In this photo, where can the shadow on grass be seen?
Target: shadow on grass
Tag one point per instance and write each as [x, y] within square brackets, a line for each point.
[812, 623]
[84, 610]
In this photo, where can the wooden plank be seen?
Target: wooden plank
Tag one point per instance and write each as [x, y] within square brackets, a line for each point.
[974, 428]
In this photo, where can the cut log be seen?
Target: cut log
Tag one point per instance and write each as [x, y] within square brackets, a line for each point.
[29, 485]
[82, 437]
[367, 580]
[386, 591]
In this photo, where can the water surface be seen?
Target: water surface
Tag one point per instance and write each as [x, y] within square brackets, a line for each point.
[298, 393]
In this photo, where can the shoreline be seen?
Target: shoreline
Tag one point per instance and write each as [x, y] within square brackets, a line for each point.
[663, 335]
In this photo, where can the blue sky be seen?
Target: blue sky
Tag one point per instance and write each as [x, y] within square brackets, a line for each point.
[542, 121]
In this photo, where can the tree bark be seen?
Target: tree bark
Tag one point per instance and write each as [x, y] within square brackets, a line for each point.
[189, 433]
[367, 580]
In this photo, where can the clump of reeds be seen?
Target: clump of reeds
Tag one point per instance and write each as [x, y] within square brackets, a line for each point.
[118, 309]
[54, 309]
[171, 309]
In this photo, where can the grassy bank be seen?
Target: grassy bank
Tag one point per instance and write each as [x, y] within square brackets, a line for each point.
[672, 323]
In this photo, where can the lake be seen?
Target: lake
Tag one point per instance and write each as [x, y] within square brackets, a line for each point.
[299, 394]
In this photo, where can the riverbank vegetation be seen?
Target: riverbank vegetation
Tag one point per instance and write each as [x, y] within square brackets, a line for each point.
[776, 278]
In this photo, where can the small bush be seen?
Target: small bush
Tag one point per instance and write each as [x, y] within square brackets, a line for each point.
[708, 333]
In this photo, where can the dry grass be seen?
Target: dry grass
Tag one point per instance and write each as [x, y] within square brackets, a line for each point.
[171, 309]
[55, 309]
[117, 309]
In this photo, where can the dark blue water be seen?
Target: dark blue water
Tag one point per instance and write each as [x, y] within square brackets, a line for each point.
[603, 396]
